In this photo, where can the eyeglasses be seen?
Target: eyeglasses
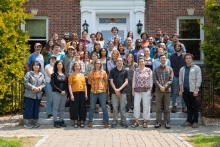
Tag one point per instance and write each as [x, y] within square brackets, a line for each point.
[138, 42]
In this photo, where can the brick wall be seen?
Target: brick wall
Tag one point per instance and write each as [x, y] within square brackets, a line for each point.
[64, 15]
[163, 13]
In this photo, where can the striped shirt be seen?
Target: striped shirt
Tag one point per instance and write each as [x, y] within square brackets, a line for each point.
[99, 82]
[163, 76]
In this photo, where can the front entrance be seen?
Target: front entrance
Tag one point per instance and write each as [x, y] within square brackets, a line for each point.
[103, 15]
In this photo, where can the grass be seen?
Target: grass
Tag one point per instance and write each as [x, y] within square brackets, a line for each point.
[204, 141]
[19, 141]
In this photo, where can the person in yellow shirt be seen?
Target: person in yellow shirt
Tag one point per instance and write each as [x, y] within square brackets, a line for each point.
[78, 95]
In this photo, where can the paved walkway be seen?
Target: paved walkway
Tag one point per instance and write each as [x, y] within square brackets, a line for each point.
[100, 137]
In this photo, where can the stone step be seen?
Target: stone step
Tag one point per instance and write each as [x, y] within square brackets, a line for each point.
[98, 121]
[127, 115]
[179, 109]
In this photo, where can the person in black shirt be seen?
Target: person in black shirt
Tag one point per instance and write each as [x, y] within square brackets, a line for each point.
[59, 83]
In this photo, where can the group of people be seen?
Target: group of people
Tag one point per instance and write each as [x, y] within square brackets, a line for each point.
[122, 72]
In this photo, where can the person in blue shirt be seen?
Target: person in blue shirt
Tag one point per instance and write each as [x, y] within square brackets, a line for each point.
[156, 62]
[56, 52]
[138, 51]
[175, 39]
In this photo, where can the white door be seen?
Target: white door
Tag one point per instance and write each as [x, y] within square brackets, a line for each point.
[106, 31]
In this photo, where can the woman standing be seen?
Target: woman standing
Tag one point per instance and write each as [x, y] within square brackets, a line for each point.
[129, 45]
[80, 50]
[144, 42]
[122, 52]
[130, 35]
[86, 59]
[68, 58]
[116, 42]
[104, 58]
[110, 48]
[96, 48]
[112, 62]
[47, 49]
[148, 60]
[48, 87]
[99, 82]
[34, 82]
[130, 66]
[99, 38]
[59, 83]
[141, 89]
[78, 95]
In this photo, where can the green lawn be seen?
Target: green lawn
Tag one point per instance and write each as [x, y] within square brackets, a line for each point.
[204, 141]
[19, 141]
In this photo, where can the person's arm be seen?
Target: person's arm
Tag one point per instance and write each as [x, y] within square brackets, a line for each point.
[70, 88]
[43, 84]
[123, 85]
[70, 67]
[156, 82]
[198, 80]
[170, 78]
[48, 71]
[183, 48]
[151, 80]
[83, 68]
[27, 67]
[53, 81]
[133, 83]
[27, 84]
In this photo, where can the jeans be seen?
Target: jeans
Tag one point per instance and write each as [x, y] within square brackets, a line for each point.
[102, 100]
[59, 102]
[49, 103]
[122, 101]
[175, 92]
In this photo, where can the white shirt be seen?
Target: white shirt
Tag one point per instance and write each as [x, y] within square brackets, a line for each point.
[47, 77]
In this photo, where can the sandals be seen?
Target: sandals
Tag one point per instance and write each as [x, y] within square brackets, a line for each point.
[75, 125]
[136, 124]
[145, 124]
[82, 125]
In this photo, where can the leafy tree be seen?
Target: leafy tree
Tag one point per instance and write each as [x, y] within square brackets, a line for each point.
[211, 45]
[13, 49]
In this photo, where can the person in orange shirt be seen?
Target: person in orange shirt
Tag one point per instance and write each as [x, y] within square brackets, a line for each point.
[78, 95]
[144, 42]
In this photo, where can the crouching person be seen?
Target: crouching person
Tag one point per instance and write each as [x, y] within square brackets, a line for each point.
[34, 83]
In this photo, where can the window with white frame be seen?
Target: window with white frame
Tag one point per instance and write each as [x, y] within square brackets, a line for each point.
[191, 34]
[37, 28]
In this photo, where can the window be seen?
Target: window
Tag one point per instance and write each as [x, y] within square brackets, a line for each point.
[37, 29]
[191, 34]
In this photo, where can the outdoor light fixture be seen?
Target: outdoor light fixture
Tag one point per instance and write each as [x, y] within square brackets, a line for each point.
[190, 11]
[85, 26]
[139, 27]
[34, 11]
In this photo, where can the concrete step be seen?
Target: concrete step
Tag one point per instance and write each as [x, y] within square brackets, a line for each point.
[127, 115]
[98, 121]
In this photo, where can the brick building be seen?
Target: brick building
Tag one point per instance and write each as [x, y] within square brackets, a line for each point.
[68, 16]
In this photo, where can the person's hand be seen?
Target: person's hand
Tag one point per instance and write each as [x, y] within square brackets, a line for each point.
[63, 93]
[86, 97]
[132, 92]
[162, 89]
[117, 92]
[36, 89]
[195, 93]
[72, 98]
[180, 94]
[150, 90]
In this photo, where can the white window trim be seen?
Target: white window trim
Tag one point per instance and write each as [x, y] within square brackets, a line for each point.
[201, 34]
[47, 27]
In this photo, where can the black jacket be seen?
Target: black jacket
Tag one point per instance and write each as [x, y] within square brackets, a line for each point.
[55, 83]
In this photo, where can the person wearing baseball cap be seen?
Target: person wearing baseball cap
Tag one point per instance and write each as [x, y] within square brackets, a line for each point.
[35, 56]
[68, 58]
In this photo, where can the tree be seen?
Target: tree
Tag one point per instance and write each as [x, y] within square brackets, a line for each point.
[211, 45]
[13, 48]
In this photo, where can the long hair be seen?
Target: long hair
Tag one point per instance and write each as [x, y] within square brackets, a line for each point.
[100, 51]
[123, 47]
[74, 64]
[77, 48]
[131, 46]
[117, 52]
[55, 69]
[132, 62]
[94, 68]
[132, 34]
[47, 46]
[101, 39]
[96, 43]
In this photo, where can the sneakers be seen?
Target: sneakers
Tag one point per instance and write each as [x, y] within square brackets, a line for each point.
[184, 110]
[124, 125]
[130, 111]
[56, 124]
[195, 125]
[157, 125]
[114, 125]
[28, 125]
[174, 109]
[167, 125]
[90, 125]
[35, 124]
[62, 124]
[106, 125]
[186, 124]
[49, 115]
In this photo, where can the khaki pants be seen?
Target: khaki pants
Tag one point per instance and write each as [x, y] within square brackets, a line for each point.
[159, 97]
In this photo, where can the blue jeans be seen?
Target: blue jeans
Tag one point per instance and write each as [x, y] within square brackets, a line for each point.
[175, 92]
[49, 103]
[102, 100]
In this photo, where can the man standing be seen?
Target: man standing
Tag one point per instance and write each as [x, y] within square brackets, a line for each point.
[114, 31]
[177, 61]
[158, 38]
[91, 44]
[190, 79]
[138, 51]
[118, 80]
[84, 40]
[163, 78]
[35, 56]
[166, 39]
[152, 47]
[170, 48]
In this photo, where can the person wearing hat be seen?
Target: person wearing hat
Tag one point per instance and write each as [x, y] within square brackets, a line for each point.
[68, 58]
[66, 36]
[35, 56]
[48, 87]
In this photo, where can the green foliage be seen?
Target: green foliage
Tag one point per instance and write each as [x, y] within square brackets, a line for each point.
[211, 45]
[9, 143]
[13, 45]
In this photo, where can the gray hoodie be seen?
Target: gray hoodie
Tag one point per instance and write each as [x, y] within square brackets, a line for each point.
[30, 81]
